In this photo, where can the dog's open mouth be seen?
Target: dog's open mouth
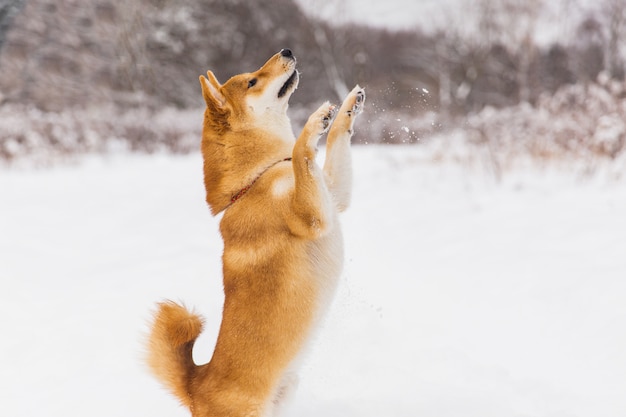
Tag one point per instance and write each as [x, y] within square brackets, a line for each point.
[288, 84]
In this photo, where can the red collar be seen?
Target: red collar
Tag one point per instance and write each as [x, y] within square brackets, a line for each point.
[245, 189]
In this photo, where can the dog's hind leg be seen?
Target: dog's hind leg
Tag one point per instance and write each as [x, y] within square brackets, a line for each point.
[338, 163]
[283, 394]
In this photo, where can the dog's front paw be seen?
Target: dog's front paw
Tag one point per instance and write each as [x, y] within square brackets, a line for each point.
[322, 118]
[355, 101]
[328, 113]
[352, 106]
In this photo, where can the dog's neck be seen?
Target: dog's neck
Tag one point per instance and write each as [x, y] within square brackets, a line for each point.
[245, 189]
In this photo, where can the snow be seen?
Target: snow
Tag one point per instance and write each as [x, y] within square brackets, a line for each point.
[461, 296]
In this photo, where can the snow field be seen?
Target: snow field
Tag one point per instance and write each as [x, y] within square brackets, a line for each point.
[460, 296]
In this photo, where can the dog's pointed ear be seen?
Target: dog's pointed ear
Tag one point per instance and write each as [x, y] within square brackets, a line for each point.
[211, 91]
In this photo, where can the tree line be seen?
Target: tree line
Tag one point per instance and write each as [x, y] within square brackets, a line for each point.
[58, 54]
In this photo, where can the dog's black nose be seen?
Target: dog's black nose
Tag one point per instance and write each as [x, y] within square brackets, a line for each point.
[286, 53]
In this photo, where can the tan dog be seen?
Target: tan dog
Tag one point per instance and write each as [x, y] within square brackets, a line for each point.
[283, 248]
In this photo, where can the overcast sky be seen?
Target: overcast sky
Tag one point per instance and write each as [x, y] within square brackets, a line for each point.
[556, 19]
[385, 13]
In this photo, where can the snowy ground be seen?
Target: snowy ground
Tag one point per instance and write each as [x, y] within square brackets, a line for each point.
[461, 296]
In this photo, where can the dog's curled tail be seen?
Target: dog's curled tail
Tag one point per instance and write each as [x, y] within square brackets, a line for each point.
[170, 346]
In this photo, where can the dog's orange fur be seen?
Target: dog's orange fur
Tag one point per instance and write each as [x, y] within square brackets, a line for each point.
[282, 243]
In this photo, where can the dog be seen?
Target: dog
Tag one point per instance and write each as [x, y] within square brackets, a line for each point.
[283, 248]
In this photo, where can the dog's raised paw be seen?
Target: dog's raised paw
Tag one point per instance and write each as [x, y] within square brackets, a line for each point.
[319, 122]
[328, 117]
[359, 100]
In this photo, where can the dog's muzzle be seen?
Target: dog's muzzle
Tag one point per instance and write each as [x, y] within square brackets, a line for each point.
[288, 84]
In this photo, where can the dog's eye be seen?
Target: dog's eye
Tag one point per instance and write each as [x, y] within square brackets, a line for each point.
[252, 83]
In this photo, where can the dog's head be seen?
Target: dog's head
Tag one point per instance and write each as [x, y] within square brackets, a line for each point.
[246, 127]
[248, 98]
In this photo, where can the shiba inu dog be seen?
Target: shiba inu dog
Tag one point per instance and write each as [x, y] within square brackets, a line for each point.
[283, 249]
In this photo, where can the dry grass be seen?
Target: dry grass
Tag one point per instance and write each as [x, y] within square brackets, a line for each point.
[579, 122]
[31, 135]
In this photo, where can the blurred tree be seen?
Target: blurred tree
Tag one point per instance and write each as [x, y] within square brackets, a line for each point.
[8, 9]
[330, 51]
[588, 50]
[511, 25]
[141, 52]
[614, 12]
[149, 53]
[187, 37]
[555, 69]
